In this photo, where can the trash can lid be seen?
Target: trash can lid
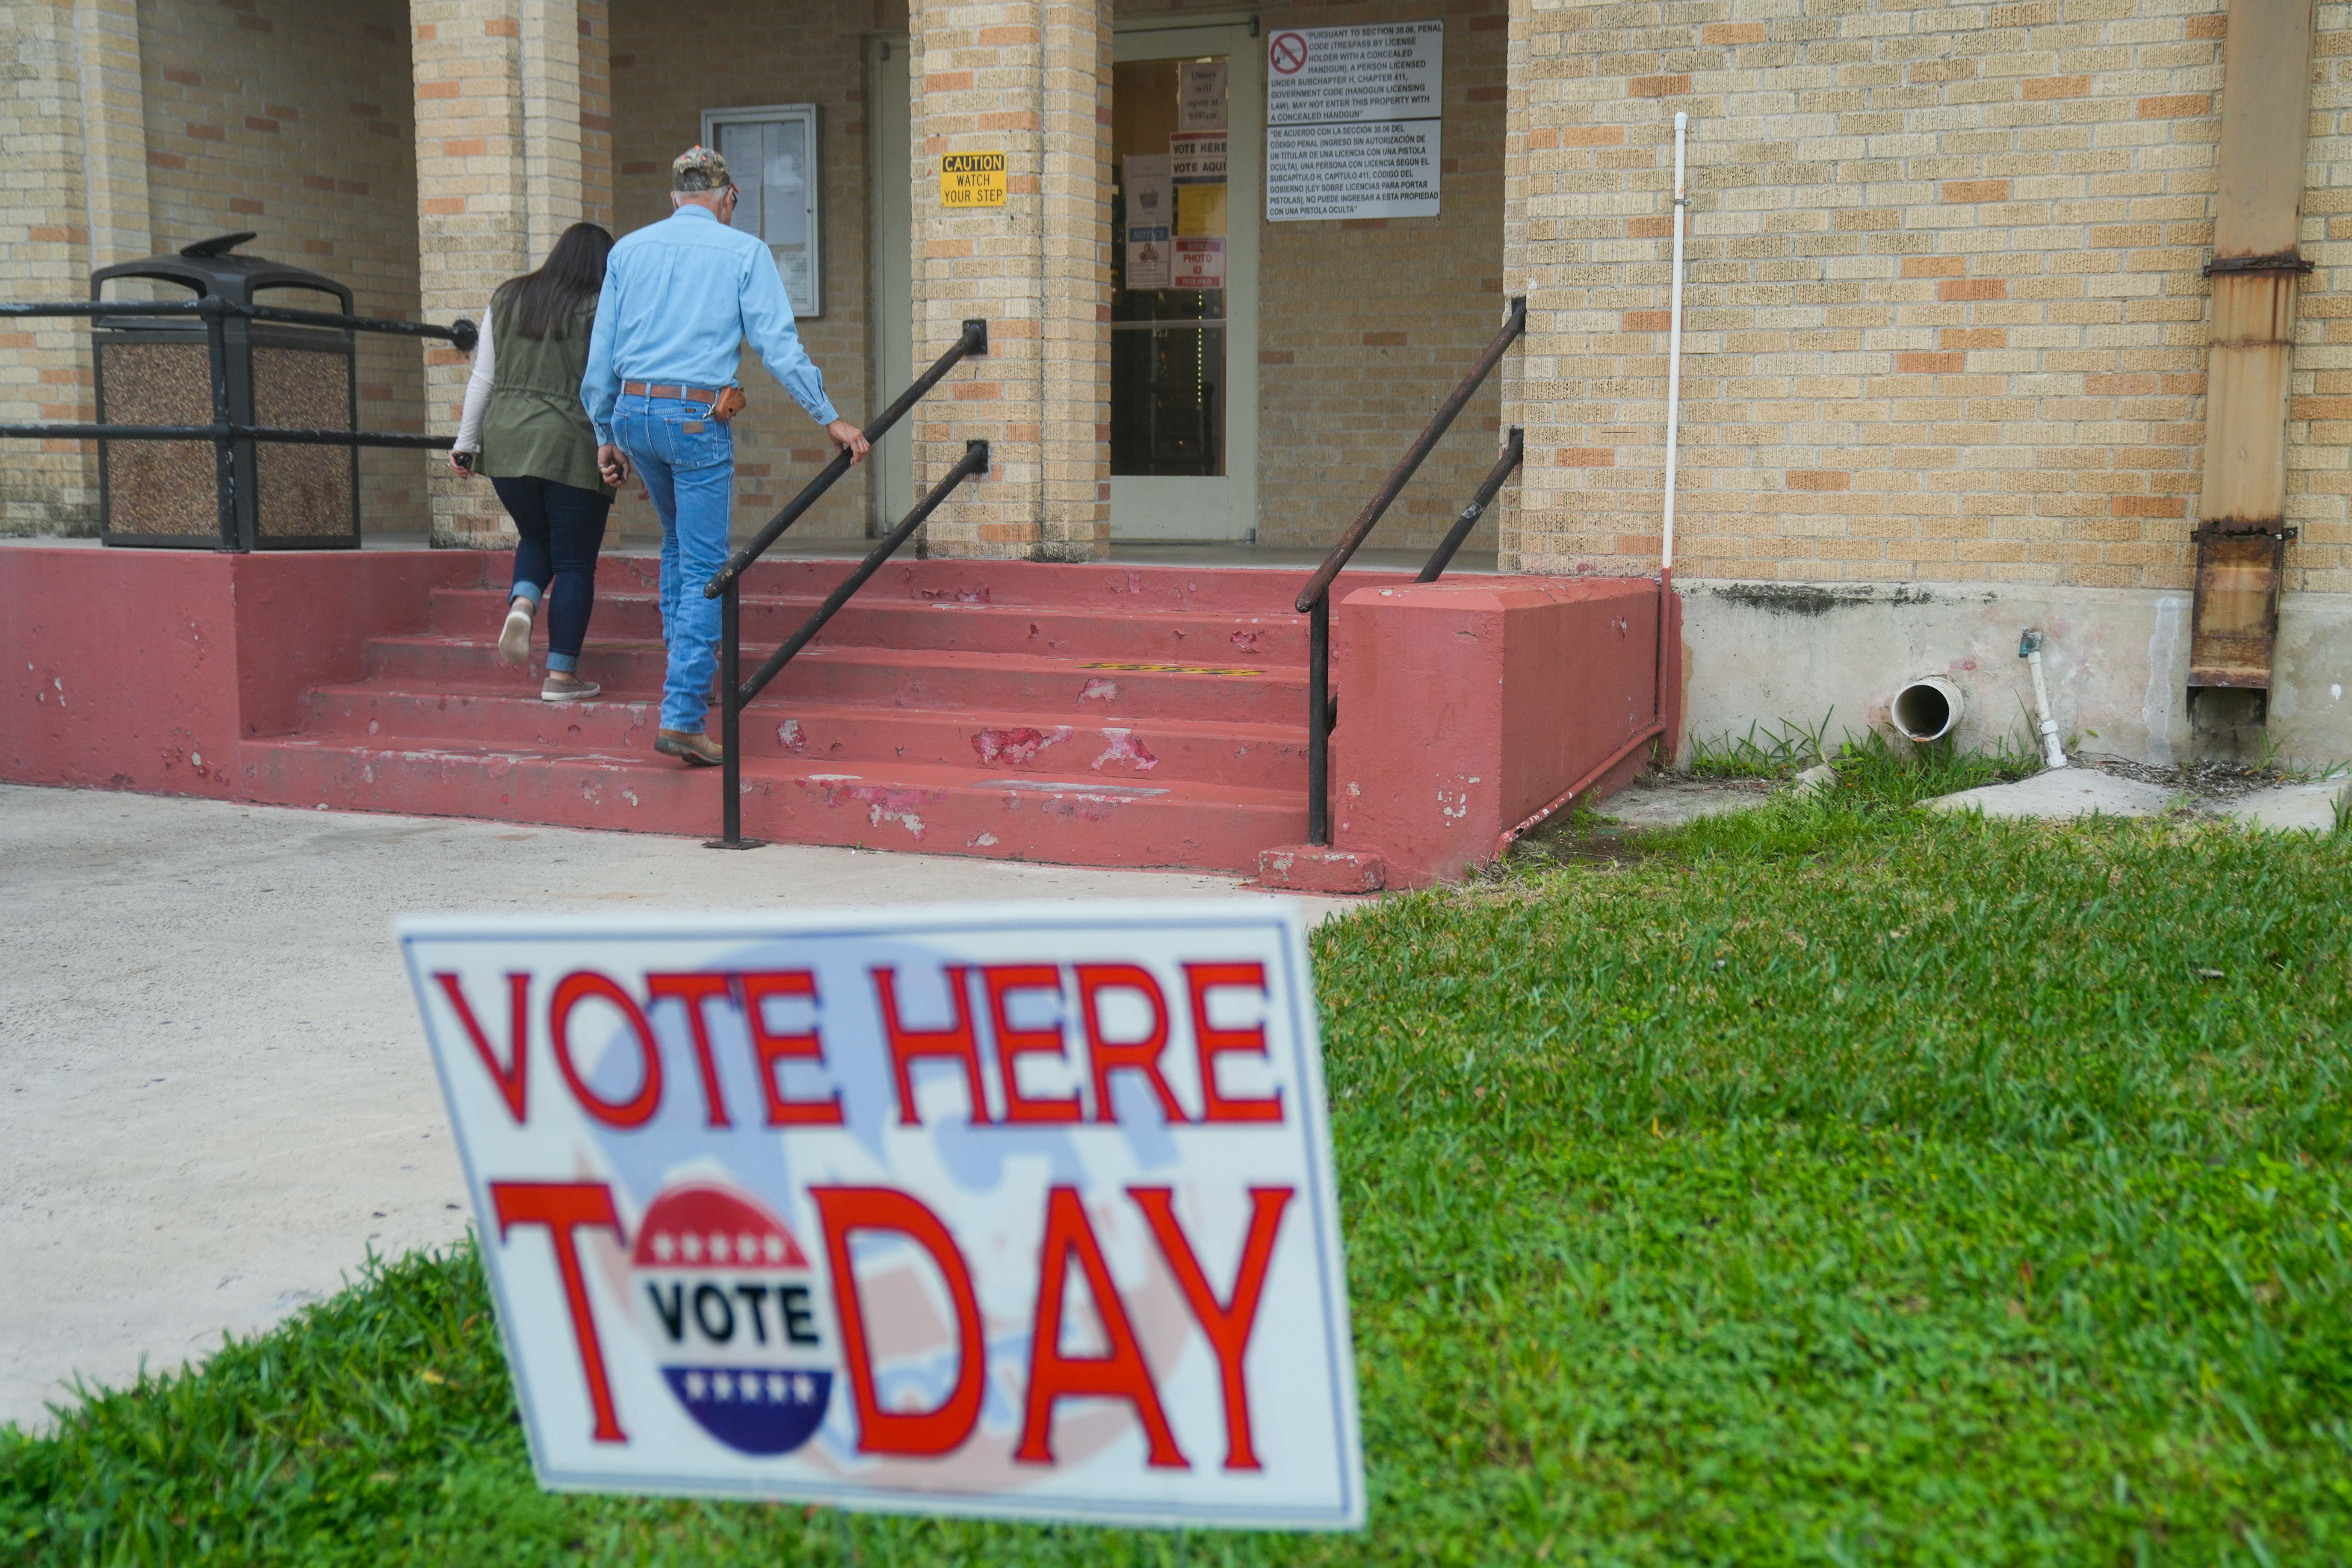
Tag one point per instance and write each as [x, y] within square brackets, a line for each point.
[208, 267]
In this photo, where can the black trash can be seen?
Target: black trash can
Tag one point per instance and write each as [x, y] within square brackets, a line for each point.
[158, 371]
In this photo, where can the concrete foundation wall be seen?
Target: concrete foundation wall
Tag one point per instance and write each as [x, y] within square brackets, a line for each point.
[2117, 661]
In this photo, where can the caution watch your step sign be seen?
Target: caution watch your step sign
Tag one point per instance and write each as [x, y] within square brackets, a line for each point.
[999, 1211]
[972, 180]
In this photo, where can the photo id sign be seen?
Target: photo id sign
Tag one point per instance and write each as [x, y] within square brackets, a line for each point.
[1020, 1213]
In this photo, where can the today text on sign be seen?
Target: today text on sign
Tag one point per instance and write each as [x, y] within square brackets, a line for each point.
[716, 1176]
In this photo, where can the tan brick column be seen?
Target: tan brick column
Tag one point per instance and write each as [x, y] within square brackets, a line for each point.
[77, 199]
[1582, 185]
[506, 157]
[1030, 79]
[114, 130]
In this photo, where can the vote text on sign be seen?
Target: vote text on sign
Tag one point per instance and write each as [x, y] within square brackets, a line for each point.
[950, 1211]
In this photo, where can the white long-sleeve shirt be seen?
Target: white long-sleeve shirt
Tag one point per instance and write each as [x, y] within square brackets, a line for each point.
[477, 391]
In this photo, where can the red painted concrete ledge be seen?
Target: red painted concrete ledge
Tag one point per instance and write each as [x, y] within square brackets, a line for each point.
[1081, 714]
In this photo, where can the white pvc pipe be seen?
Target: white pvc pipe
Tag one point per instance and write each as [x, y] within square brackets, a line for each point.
[1927, 709]
[1674, 351]
[2054, 755]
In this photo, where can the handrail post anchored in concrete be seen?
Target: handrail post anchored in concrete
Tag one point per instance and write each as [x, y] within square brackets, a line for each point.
[725, 585]
[1314, 600]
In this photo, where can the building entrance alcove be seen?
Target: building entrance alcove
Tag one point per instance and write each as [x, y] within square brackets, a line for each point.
[1187, 155]
[1252, 421]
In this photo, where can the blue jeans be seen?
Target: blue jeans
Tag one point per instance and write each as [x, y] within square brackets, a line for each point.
[686, 460]
[563, 528]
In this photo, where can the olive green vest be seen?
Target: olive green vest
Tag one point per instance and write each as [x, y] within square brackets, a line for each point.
[534, 428]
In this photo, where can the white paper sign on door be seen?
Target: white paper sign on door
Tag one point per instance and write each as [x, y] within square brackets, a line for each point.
[1201, 96]
[1151, 201]
[1147, 259]
[1020, 1211]
[1197, 157]
[1200, 263]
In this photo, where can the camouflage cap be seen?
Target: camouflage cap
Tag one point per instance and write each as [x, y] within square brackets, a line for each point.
[698, 169]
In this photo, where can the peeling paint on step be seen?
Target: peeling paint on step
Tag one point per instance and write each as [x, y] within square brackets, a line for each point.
[1125, 748]
[1017, 748]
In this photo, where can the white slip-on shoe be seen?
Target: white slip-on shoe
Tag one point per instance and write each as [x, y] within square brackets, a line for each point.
[561, 687]
[514, 637]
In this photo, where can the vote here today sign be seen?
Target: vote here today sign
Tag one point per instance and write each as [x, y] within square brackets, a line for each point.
[1022, 1211]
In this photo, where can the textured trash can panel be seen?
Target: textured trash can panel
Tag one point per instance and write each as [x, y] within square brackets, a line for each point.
[159, 487]
[159, 370]
[305, 491]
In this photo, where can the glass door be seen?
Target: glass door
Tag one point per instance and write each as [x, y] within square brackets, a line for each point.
[1187, 166]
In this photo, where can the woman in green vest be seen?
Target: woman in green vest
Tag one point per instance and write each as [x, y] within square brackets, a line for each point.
[524, 428]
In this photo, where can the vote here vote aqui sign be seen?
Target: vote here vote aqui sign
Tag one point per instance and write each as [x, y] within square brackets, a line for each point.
[967, 1211]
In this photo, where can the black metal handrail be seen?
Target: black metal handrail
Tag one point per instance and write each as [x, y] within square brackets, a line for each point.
[282, 435]
[1314, 600]
[1513, 450]
[735, 693]
[225, 434]
[971, 343]
[461, 332]
[727, 583]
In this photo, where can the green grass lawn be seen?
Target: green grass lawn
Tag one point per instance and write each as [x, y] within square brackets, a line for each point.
[1841, 1184]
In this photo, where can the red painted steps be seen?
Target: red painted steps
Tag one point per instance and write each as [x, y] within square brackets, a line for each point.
[1083, 714]
[378, 714]
[936, 809]
[1095, 691]
[635, 615]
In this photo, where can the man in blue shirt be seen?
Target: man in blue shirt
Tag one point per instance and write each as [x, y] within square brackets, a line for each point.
[680, 298]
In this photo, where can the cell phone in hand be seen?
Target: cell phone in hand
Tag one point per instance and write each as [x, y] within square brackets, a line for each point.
[463, 460]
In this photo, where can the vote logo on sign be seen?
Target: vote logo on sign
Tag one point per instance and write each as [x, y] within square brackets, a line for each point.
[731, 1303]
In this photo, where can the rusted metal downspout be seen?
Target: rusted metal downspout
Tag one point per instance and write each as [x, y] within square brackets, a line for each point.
[2255, 268]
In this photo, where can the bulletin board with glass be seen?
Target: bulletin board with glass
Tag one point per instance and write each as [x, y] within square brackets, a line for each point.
[771, 154]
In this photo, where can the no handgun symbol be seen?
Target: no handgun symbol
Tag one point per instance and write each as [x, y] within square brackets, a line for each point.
[1288, 53]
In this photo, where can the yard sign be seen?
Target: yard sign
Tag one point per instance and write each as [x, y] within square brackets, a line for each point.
[1019, 1212]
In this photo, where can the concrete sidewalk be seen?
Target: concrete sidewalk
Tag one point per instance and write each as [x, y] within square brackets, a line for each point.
[215, 1095]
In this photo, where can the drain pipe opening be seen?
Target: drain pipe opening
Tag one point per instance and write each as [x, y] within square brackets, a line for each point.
[1926, 709]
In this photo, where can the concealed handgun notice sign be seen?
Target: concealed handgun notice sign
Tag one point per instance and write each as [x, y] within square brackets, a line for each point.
[972, 179]
[940, 1210]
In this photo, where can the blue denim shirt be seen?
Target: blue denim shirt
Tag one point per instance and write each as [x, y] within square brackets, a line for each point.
[680, 298]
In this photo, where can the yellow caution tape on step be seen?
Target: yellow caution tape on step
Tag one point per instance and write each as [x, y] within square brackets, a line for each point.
[1178, 668]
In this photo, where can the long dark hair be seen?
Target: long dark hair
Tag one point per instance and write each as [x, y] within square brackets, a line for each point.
[540, 303]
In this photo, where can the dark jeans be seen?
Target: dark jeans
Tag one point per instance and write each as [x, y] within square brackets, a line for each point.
[563, 528]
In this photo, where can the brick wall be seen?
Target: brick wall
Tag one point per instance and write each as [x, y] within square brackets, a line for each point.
[1944, 315]
[1030, 79]
[44, 255]
[1348, 376]
[512, 126]
[294, 120]
[663, 77]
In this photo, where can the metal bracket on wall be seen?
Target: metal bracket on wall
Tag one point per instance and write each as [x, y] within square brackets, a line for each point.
[2234, 624]
[2280, 261]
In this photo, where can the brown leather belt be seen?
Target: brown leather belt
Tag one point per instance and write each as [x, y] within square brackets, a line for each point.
[687, 394]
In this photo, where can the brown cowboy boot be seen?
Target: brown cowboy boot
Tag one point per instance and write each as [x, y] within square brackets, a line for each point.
[692, 747]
